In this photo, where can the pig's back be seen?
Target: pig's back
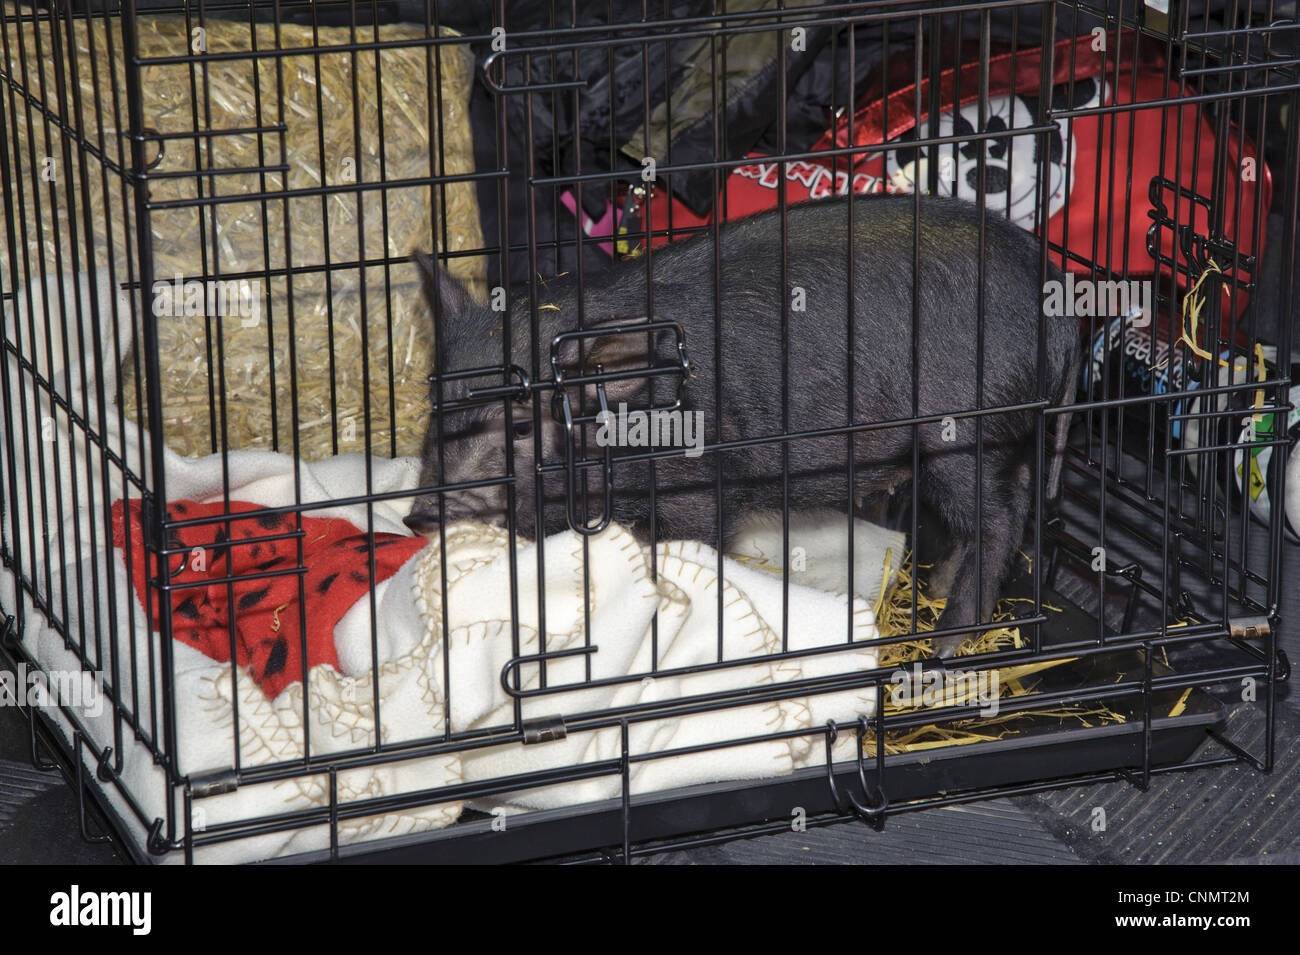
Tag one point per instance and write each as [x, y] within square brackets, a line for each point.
[813, 355]
[948, 293]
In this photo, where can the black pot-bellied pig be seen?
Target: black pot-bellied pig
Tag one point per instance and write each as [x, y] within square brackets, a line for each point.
[774, 382]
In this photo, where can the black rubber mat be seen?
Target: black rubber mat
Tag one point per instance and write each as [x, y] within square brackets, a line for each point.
[19, 785]
[988, 833]
[39, 815]
[1217, 815]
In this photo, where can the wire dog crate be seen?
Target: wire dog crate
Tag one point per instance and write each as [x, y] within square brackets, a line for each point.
[216, 357]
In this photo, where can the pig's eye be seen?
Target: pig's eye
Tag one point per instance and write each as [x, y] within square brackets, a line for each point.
[522, 427]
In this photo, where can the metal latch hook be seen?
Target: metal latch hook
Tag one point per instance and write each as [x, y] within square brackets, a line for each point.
[872, 812]
[570, 460]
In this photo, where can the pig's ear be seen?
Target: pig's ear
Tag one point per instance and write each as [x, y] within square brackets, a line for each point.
[441, 291]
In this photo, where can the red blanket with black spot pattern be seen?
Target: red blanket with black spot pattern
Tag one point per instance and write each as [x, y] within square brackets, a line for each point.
[249, 564]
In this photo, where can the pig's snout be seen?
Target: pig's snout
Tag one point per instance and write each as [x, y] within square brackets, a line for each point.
[481, 505]
[421, 523]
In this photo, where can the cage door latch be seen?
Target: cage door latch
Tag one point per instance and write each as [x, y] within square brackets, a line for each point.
[576, 521]
[677, 366]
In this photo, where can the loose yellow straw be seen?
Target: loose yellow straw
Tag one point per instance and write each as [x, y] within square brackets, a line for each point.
[1193, 302]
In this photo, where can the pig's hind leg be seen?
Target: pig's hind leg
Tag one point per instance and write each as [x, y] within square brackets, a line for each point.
[972, 580]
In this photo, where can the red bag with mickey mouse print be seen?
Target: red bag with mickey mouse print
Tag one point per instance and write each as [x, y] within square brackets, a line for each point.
[1101, 167]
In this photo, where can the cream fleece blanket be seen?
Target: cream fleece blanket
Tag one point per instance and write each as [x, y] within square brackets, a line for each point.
[396, 638]
[623, 606]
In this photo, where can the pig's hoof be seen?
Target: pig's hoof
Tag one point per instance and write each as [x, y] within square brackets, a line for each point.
[947, 647]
